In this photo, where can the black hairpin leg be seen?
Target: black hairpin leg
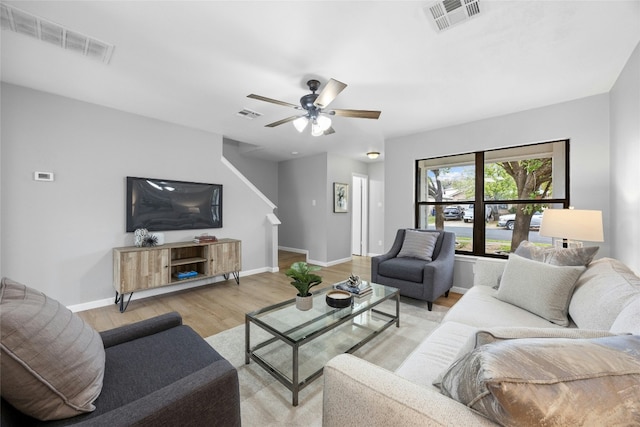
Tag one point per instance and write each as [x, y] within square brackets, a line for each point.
[120, 299]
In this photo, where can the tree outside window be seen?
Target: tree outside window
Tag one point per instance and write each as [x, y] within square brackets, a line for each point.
[492, 200]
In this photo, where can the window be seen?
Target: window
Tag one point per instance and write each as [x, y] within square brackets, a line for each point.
[493, 200]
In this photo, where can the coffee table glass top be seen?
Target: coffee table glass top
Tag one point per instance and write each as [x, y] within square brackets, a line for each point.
[295, 325]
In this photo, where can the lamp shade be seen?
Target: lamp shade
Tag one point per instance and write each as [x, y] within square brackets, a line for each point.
[300, 123]
[572, 224]
[324, 122]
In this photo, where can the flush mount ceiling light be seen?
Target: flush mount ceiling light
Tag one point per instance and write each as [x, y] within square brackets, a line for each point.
[373, 155]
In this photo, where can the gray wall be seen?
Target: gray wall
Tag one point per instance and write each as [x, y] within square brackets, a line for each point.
[584, 121]
[58, 236]
[302, 205]
[315, 228]
[262, 173]
[625, 164]
[340, 169]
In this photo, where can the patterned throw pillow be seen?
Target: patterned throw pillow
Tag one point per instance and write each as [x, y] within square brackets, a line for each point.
[52, 361]
[418, 244]
[553, 256]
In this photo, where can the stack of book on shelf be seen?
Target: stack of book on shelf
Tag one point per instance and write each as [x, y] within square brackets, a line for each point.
[204, 238]
[358, 290]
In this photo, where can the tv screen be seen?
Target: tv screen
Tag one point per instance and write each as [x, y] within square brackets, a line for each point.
[162, 205]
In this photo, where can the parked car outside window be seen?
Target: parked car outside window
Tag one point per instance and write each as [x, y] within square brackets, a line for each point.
[507, 221]
[453, 212]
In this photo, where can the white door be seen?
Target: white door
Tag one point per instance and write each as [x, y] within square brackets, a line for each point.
[359, 215]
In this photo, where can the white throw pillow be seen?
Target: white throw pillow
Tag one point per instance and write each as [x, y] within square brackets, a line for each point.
[543, 289]
[418, 244]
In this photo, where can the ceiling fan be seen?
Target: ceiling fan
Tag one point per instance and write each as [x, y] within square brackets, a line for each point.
[315, 109]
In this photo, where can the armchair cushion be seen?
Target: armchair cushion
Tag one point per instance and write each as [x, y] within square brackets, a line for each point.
[409, 269]
[52, 361]
[419, 245]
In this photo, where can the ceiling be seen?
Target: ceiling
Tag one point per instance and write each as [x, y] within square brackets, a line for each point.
[194, 63]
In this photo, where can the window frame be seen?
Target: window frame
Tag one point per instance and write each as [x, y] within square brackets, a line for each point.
[479, 204]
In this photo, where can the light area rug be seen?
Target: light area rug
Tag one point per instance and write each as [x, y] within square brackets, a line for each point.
[266, 402]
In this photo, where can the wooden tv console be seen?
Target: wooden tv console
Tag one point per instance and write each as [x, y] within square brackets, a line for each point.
[140, 268]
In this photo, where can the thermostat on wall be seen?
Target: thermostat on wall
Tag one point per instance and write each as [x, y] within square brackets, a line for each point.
[43, 176]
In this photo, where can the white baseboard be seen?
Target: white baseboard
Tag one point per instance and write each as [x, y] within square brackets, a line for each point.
[459, 290]
[296, 250]
[164, 290]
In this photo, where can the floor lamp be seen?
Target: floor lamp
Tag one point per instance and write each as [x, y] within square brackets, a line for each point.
[572, 226]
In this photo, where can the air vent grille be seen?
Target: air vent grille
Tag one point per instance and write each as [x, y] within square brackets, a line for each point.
[248, 114]
[447, 13]
[25, 23]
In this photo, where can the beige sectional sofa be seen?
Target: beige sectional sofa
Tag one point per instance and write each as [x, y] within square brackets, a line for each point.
[605, 299]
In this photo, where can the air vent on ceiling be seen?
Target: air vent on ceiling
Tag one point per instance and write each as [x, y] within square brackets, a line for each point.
[447, 13]
[22, 22]
[249, 114]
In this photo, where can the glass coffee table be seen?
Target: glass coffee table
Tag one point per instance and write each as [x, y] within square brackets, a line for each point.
[294, 345]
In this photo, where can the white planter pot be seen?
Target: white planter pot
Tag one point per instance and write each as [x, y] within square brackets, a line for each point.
[304, 303]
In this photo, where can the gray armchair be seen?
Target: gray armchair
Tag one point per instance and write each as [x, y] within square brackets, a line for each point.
[416, 278]
[158, 372]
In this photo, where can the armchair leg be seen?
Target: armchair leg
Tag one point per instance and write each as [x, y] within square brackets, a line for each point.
[429, 305]
[446, 294]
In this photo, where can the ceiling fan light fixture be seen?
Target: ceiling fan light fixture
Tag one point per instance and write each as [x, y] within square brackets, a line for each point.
[316, 130]
[324, 122]
[373, 155]
[300, 123]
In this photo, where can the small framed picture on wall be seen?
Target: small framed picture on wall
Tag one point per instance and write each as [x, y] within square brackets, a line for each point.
[340, 197]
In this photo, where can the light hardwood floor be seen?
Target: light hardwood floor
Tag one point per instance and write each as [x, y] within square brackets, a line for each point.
[215, 308]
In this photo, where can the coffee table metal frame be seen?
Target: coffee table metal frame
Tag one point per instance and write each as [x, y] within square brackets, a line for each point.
[295, 384]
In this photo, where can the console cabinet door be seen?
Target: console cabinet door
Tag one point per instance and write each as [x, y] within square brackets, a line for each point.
[226, 257]
[142, 269]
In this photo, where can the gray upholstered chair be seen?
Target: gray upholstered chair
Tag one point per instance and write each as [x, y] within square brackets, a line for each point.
[158, 372]
[417, 278]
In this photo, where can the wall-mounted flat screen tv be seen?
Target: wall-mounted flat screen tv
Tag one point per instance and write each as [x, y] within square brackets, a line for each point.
[163, 205]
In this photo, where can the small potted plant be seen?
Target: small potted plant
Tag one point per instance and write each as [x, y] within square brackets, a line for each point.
[303, 281]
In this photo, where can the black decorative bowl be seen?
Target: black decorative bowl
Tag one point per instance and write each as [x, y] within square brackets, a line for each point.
[339, 299]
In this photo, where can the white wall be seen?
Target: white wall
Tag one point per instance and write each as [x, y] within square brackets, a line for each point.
[625, 164]
[376, 209]
[58, 236]
[584, 121]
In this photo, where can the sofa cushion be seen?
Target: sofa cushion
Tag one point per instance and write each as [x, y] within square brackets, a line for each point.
[480, 308]
[491, 335]
[537, 381]
[563, 256]
[52, 361]
[436, 353]
[410, 269]
[418, 244]
[488, 272]
[628, 321]
[540, 288]
[602, 292]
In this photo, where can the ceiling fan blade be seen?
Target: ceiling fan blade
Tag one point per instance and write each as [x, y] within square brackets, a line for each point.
[360, 114]
[273, 101]
[329, 131]
[281, 122]
[329, 93]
